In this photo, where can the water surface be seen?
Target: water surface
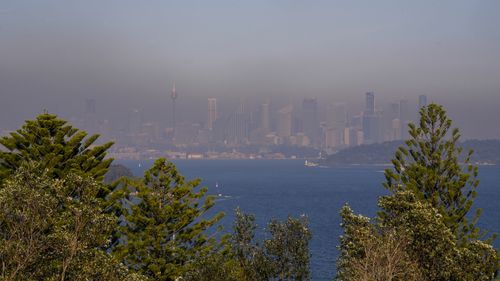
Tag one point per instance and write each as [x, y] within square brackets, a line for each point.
[279, 188]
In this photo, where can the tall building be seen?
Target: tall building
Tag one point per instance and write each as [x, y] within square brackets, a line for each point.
[212, 113]
[422, 101]
[371, 128]
[334, 137]
[396, 129]
[284, 126]
[370, 120]
[237, 131]
[350, 136]
[310, 123]
[265, 122]
[370, 103]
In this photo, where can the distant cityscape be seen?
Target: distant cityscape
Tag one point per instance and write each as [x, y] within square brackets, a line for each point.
[307, 129]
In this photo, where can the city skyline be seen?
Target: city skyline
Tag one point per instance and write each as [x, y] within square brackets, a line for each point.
[55, 54]
[330, 126]
[191, 112]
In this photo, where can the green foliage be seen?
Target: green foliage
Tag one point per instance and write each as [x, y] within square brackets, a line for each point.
[410, 241]
[250, 254]
[429, 167]
[54, 229]
[163, 232]
[220, 265]
[285, 256]
[288, 249]
[432, 242]
[57, 146]
[423, 222]
[369, 252]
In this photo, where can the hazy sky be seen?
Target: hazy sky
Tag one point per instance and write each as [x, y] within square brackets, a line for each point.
[124, 54]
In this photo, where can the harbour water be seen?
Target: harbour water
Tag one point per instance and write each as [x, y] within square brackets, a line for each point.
[278, 188]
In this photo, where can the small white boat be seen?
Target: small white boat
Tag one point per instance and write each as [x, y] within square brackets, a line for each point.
[310, 164]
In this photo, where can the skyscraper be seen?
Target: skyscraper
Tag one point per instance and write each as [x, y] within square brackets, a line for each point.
[370, 103]
[370, 121]
[350, 136]
[371, 128]
[212, 112]
[237, 131]
[284, 128]
[310, 124]
[265, 122]
[422, 101]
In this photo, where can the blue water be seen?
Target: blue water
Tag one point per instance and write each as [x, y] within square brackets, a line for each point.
[278, 188]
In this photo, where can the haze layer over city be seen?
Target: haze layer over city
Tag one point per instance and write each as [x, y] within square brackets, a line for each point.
[323, 74]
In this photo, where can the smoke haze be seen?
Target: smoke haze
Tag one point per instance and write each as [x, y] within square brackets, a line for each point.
[127, 54]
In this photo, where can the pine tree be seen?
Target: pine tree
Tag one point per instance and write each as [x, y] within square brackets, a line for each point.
[429, 166]
[423, 220]
[55, 145]
[55, 229]
[164, 229]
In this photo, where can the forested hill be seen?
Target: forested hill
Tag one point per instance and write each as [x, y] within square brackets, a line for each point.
[485, 152]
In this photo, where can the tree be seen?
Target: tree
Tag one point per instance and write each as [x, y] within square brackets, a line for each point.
[55, 145]
[429, 166]
[285, 256]
[220, 265]
[411, 242]
[54, 229]
[432, 242]
[165, 225]
[369, 252]
[288, 249]
[425, 215]
[249, 254]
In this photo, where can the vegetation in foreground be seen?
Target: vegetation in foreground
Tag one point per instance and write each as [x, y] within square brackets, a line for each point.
[422, 231]
[59, 219]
